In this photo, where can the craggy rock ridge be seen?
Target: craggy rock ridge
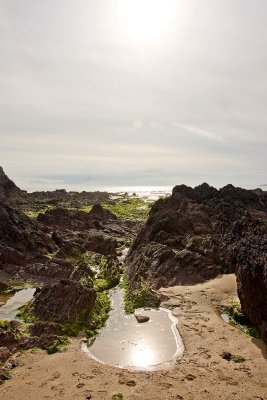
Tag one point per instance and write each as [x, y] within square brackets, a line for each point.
[8, 190]
[54, 246]
[21, 240]
[78, 231]
[196, 234]
[62, 197]
[60, 243]
[13, 195]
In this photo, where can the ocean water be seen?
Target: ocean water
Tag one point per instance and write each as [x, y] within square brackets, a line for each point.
[152, 192]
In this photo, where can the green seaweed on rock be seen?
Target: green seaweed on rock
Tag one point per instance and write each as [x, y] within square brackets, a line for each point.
[132, 208]
[138, 298]
[242, 322]
[58, 345]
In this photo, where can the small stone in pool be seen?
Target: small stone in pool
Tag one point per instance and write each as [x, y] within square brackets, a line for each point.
[141, 318]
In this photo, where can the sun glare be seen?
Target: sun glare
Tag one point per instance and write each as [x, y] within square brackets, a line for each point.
[142, 356]
[146, 20]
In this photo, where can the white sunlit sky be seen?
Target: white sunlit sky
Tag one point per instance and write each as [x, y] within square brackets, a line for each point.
[98, 93]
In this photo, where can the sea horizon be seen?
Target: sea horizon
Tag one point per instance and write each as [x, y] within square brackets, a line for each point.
[150, 191]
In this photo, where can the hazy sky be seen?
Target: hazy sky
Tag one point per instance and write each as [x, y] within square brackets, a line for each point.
[136, 92]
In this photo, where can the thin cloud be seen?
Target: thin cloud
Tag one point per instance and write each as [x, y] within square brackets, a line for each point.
[200, 132]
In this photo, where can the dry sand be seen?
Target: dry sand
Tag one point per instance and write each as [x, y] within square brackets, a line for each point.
[200, 374]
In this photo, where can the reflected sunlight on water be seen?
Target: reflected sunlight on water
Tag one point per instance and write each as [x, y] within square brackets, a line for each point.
[125, 343]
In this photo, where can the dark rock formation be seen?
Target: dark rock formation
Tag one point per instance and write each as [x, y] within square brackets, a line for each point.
[64, 302]
[50, 270]
[78, 231]
[22, 241]
[191, 236]
[251, 272]
[13, 337]
[41, 328]
[53, 246]
[19, 233]
[5, 353]
[75, 220]
[101, 214]
[72, 199]
[9, 192]
[196, 234]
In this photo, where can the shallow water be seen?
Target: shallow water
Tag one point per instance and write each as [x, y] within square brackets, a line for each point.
[225, 317]
[125, 343]
[12, 303]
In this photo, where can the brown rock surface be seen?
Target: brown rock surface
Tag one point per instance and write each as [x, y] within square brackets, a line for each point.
[4, 354]
[196, 234]
[9, 192]
[20, 233]
[141, 318]
[63, 302]
[251, 275]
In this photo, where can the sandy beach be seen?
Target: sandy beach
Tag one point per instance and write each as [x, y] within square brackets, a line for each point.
[201, 373]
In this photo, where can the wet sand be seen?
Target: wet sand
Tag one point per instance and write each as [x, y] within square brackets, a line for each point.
[201, 373]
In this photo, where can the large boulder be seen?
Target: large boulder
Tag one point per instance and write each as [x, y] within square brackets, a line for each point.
[63, 302]
[251, 273]
[194, 234]
[101, 214]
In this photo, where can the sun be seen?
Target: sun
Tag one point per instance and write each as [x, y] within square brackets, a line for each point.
[146, 20]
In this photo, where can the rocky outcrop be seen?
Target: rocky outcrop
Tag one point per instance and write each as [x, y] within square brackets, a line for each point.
[20, 233]
[5, 353]
[52, 248]
[251, 272]
[100, 213]
[70, 199]
[194, 234]
[64, 302]
[78, 231]
[49, 271]
[61, 218]
[13, 337]
[22, 241]
[9, 192]
[53, 306]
